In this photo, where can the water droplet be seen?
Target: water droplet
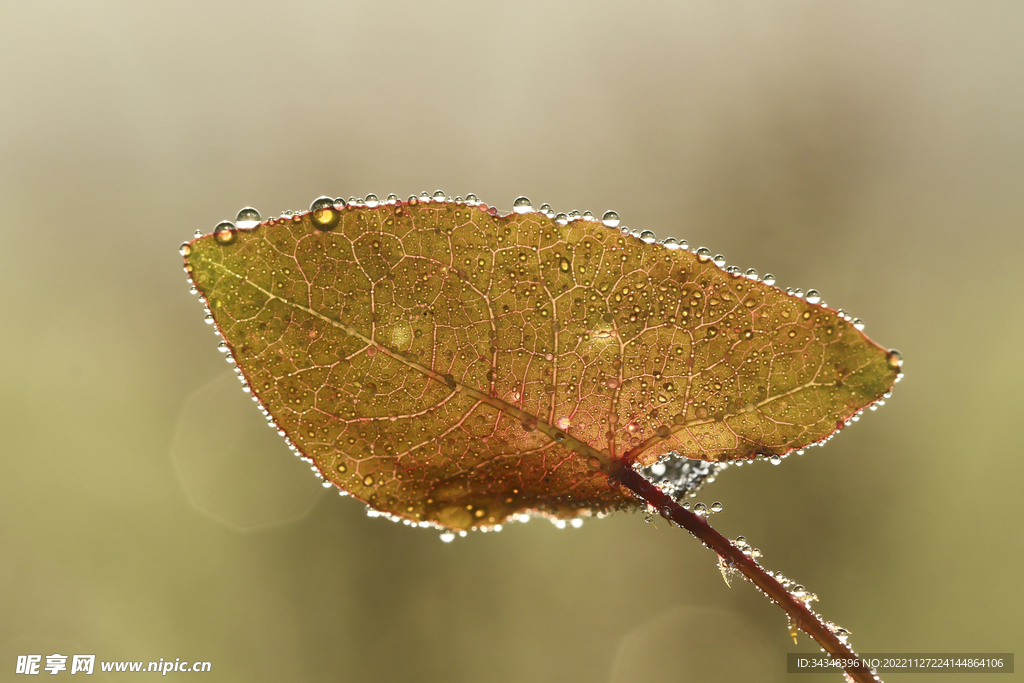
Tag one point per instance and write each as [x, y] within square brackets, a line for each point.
[610, 219]
[247, 218]
[768, 279]
[671, 243]
[751, 273]
[323, 214]
[775, 460]
[450, 381]
[858, 323]
[658, 469]
[471, 199]
[392, 198]
[717, 507]
[371, 200]
[813, 296]
[447, 537]
[719, 260]
[663, 431]
[593, 463]
[368, 480]
[439, 196]
[704, 254]
[522, 205]
[562, 422]
[648, 237]
[700, 509]
[562, 219]
[529, 425]
[563, 265]
[185, 249]
[224, 233]
[895, 360]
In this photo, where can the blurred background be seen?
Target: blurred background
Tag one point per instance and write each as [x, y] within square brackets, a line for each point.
[871, 150]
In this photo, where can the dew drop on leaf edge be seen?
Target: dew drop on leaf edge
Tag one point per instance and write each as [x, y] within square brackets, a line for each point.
[522, 205]
[247, 218]
[323, 214]
[224, 233]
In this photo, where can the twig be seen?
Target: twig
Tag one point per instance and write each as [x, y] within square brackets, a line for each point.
[799, 614]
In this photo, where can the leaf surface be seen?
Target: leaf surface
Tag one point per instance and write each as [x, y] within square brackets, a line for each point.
[452, 366]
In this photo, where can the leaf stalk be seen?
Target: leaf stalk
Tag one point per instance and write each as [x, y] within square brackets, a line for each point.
[800, 615]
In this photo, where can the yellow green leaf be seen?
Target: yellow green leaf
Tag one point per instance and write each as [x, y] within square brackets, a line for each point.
[451, 366]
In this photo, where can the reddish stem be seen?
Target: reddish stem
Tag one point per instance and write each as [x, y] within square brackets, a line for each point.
[799, 614]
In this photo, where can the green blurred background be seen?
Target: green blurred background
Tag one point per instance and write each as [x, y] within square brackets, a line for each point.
[871, 150]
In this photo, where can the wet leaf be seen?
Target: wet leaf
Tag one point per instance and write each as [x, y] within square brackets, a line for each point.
[453, 366]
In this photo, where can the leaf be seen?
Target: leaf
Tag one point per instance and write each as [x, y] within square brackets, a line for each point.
[452, 366]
